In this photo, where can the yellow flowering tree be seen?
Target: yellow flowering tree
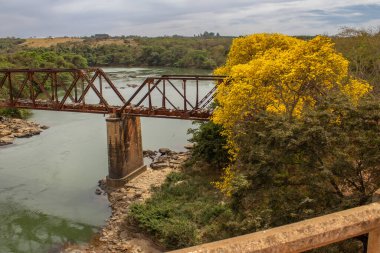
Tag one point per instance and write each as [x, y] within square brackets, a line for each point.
[281, 74]
[278, 74]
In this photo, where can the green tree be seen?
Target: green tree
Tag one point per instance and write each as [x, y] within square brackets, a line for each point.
[210, 146]
[362, 49]
[294, 169]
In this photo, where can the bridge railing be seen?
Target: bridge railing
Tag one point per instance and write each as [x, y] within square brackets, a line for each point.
[305, 235]
[91, 90]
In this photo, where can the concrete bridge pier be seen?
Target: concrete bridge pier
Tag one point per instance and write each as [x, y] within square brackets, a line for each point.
[125, 156]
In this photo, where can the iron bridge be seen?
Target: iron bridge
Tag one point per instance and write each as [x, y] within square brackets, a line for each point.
[92, 91]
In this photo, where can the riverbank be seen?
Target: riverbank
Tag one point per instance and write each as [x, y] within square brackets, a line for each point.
[117, 235]
[17, 128]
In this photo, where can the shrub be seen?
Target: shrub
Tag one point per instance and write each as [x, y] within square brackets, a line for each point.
[210, 145]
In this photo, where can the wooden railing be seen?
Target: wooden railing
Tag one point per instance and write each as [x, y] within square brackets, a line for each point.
[306, 235]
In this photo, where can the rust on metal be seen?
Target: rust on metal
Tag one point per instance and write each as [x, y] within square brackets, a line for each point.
[69, 90]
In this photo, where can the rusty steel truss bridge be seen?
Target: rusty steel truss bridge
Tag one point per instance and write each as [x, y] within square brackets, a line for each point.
[92, 91]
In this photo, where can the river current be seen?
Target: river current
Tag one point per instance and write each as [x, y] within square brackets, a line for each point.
[47, 182]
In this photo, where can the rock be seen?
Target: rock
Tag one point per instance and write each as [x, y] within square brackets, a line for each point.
[162, 159]
[123, 190]
[98, 191]
[23, 135]
[5, 132]
[189, 146]
[149, 153]
[6, 140]
[17, 121]
[179, 182]
[102, 183]
[138, 194]
[156, 166]
[164, 151]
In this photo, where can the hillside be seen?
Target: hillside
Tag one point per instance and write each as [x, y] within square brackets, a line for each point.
[47, 42]
[51, 42]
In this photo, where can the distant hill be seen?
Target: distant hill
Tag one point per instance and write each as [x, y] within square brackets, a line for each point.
[47, 42]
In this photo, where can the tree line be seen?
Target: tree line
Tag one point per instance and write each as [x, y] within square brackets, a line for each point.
[206, 51]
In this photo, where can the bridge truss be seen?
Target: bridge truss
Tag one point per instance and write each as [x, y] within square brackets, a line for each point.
[92, 91]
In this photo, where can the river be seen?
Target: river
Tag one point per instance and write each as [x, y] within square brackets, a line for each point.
[47, 182]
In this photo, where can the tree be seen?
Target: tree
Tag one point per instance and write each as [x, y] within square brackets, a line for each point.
[362, 49]
[294, 169]
[281, 74]
[209, 145]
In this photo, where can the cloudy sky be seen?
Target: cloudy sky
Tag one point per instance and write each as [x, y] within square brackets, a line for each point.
[41, 18]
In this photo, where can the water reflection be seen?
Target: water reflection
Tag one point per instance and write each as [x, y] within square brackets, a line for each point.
[23, 230]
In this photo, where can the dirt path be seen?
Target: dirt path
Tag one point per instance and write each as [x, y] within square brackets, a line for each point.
[116, 236]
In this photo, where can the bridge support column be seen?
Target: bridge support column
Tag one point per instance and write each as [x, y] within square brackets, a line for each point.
[125, 158]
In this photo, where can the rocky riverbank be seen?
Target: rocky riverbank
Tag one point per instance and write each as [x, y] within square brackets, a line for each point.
[17, 128]
[117, 236]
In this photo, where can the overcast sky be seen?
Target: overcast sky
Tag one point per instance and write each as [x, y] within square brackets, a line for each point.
[41, 18]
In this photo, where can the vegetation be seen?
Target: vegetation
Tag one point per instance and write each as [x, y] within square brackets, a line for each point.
[41, 58]
[198, 52]
[280, 74]
[184, 211]
[15, 113]
[210, 145]
[33, 58]
[362, 49]
[207, 50]
[302, 132]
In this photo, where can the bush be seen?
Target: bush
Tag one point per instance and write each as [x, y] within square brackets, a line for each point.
[186, 210]
[15, 113]
[210, 145]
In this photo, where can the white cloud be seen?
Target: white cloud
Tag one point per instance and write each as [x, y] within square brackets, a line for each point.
[186, 17]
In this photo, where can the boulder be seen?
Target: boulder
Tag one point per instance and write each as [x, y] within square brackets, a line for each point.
[157, 165]
[98, 191]
[164, 151]
[149, 153]
[5, 132]
[162, 159]
[189, 146]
